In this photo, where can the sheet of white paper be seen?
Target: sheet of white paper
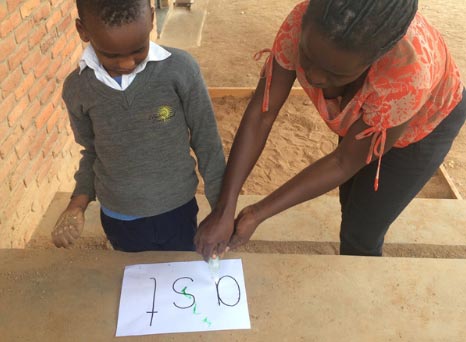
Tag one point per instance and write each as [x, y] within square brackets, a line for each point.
[182, 297]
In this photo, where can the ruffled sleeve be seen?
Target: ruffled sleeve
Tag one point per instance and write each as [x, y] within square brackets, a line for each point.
[284, 50]
[393, 100]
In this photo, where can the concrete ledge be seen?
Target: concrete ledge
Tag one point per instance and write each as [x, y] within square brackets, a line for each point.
[183, 27]
[60, 295]
[438, 222]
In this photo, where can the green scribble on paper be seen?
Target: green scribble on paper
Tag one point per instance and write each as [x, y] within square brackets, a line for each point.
[187, 295]
[195, 310]
[206, 321]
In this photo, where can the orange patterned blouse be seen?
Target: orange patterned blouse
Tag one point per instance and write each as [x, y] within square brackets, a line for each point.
[417, 79]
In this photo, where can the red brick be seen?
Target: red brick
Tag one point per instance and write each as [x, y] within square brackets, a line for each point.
[12, 4]
[7, 46]
[71, 33]
[8, 25]
[70, 47]
[41, 66]
[24, 30]
[59, 46]
[56, 3]
[30, 175]
[54, 65]
[14, 200]
[37, 88]
[18, 175]
[44, 115]
[7, 166]
[48, 146]
[5, 192]
[69, 7]
[9, 84]
[28, 7]
[4, 128]
[25, 142]
[46, 43]
[47, 91]
[56, 100]
[31, 61]
[66, 23]
[52, 20]
[52, 176]
[3, 10]
[18, 56]
[76, 55]
[53, 120]
[57, 149]
[29, 115]
[64, 71]
[36, 37]
[24, 86]
[4, 70]
[10, 141]
[43, 171]
[36, 146]
[70, 143]
[6, 106]
[18, 111]
[42, 12]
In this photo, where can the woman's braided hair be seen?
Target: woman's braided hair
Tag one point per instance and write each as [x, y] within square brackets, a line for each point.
[372, 26]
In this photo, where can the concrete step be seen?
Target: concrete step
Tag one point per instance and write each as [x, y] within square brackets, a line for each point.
[310, 228]
[182, 27]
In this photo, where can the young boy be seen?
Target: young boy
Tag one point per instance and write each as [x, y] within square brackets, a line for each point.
[137, 108]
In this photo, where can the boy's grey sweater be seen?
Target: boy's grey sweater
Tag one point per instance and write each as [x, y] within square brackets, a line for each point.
[136, 157]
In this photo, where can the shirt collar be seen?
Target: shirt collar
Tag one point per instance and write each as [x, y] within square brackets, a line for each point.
[89, 58]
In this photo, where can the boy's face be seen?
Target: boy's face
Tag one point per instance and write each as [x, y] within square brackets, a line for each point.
[119, 48]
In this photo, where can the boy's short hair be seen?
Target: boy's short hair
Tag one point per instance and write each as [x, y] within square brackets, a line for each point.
[112, 12]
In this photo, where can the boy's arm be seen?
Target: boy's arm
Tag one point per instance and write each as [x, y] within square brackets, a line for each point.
[70, 224]
[205, 140]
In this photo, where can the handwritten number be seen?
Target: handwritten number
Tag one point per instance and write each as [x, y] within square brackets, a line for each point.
[220, 300]
[152, 312]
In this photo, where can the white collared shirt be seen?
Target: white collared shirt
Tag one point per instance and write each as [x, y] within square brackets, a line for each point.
[89, 59]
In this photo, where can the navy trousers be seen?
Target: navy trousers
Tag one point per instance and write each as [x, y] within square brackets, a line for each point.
[367, 214]
[170, 231]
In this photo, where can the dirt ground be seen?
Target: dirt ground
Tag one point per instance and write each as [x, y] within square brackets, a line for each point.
[235, 30]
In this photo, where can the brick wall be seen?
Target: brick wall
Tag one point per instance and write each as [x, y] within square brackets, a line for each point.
[39, 46]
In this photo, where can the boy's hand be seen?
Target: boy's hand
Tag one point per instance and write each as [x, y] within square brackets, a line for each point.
[245, 225]
[68, 227]
[213, 234]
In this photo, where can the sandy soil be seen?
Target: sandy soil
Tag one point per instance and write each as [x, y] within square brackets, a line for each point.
[235, 30]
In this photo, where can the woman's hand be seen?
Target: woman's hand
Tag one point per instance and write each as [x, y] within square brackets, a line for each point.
[214, 233]
[245, 225]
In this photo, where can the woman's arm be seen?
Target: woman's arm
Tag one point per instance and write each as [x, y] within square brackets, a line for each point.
[320, 177]
[215, 231]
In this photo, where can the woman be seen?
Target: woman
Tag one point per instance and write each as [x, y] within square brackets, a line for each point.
[383, 80]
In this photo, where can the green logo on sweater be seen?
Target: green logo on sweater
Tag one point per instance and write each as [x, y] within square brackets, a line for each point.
[164, 113]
